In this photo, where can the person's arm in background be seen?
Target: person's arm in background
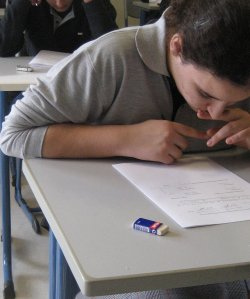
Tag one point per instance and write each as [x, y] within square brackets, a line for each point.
[101, 16]
[12, 27]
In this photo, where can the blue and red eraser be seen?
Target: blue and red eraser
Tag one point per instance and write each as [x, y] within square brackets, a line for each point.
[150, 226]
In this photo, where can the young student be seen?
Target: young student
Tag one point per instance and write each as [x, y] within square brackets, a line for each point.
[58, 25]
[112, 96]
[153, 92]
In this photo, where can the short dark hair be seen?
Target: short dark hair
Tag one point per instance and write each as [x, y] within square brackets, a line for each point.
[216, 35]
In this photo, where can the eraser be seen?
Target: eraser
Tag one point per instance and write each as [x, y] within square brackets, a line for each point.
[150, 226]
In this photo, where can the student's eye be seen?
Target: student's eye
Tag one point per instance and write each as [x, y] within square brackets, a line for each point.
[204, 95]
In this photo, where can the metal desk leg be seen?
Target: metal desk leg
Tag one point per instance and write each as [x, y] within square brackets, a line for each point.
[29, 212]
[8, 292]
[62, 282]
[52, 265]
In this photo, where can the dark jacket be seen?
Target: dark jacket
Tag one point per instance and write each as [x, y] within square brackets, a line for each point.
[32, 26]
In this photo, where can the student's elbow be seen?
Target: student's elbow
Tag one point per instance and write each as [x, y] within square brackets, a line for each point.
[10, 143]
[16, 141]
[21, 136]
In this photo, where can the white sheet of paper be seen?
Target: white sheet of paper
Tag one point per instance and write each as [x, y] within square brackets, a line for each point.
[46, 59]
[195, 191]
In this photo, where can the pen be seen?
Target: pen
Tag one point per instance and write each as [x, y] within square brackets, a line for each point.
[22, 68]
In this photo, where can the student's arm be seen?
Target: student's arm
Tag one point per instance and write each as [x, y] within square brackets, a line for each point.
[153, 140]
[101, 16]
[12, 27]
[59, 117]
[236, 131]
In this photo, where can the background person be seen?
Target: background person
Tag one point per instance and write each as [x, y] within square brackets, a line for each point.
[57, 25]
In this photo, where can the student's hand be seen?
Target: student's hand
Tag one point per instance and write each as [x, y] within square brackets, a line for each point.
[87, 1]
[235, 132]
[35, 2]
[159, 140]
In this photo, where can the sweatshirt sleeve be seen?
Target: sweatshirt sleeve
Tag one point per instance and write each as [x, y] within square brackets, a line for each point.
[12, 27]
[69, 93]
[101, 16]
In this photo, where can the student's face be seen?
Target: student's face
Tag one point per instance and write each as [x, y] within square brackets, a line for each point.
[60, 5]
[204, 91]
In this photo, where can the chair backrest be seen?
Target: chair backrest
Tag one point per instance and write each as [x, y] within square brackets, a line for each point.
[130, 10]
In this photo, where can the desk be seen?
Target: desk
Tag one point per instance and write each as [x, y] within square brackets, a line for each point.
[145, 9]
[10, 80]
[90, 208]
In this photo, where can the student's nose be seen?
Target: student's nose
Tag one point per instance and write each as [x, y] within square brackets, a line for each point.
[216, 109]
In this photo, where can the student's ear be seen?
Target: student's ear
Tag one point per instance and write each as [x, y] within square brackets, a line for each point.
[175, 45]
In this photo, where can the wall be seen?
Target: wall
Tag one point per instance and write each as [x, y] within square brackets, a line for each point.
[119, 6]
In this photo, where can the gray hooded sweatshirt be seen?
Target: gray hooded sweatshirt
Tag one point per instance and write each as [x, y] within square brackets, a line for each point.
[119, 78]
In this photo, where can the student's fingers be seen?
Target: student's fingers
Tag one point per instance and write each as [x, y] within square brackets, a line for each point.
[172, 149]
[233, 114]
[241, 139]
[212, 131]
[237, 120]
[171, 156]
[203, 115]
[190, 132]
[175, 151]
[230, 129]
[158, 140]
[176, 143]
[154, 140]
[221, 134]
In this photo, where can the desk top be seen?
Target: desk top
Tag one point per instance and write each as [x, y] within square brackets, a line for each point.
[10, 79]
[91, 207]
[146, 6]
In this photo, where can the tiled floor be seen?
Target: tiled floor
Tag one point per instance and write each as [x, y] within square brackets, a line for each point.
[29, 255]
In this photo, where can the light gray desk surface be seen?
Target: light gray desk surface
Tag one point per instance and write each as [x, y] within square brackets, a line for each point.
[91, 207]
[10, 79]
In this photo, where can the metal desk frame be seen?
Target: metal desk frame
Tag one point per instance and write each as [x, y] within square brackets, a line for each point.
[10, 80]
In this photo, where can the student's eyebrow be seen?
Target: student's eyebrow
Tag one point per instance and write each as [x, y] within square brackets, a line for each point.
[209, 96]
[206, 94]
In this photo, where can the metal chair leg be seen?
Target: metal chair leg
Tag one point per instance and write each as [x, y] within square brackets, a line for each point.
[29, 212]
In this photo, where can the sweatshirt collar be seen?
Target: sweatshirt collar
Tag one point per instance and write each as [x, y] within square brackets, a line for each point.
[155, 55]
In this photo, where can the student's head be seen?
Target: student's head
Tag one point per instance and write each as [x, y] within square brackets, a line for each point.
[60, 5]
[209, 49]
